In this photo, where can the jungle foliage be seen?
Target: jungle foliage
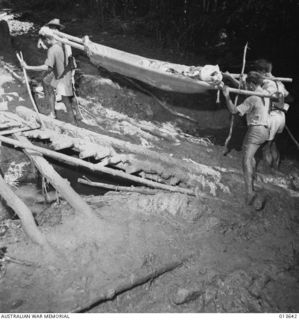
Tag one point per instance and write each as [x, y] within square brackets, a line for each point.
[190, 24]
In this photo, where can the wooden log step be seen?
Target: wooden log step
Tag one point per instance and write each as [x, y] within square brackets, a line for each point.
[150, 176]
[131, 169]
[62, 143]
[103, 152]
[80, 144]
[39, 134]
[87, 153]
[103, 163]
[118, 158]
[31, 134]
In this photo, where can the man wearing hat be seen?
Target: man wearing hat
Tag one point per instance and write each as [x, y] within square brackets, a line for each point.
[53, 24]
[58, 74]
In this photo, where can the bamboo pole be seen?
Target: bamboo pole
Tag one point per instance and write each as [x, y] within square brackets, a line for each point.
[60, 184]
[98, 167]
[117, 188]
[68, 36]
[282, 79]
[81, 41]
[24, 213]
[250, 93]
[45, 31]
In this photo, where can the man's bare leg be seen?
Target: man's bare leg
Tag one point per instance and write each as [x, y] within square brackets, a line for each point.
[267, 154]
[50, 98]
[275, 155]
[248, 170]
[69, 109]
[77, 110]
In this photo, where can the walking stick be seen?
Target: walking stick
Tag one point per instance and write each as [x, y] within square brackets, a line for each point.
[226, 151]
[20, 58]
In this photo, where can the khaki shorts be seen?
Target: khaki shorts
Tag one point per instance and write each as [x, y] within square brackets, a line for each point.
[63, 86]
[277, 123]
[256, 135]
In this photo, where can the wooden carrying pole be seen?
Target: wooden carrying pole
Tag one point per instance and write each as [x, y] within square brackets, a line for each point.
[45, 31]
[97, 167]
[60, 184]
[282, 79]
[235, 75]
[68, 36]
[250, 93]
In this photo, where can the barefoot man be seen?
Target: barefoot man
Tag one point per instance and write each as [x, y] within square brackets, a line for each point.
[257, 117]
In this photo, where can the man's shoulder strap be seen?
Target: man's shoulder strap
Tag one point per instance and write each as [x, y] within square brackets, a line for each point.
[64, 55]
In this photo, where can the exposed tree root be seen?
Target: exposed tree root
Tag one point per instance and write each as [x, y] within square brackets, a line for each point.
[129, 284]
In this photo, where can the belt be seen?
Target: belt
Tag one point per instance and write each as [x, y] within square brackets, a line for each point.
[258, 125]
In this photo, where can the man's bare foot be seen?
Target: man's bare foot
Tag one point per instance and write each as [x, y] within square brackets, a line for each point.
[79, 117]
[258, 202]
[52, 115]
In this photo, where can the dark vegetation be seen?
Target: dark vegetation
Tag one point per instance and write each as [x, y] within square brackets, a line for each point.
[189, 24]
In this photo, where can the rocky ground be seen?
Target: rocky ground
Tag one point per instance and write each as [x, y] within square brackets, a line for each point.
[209, 254]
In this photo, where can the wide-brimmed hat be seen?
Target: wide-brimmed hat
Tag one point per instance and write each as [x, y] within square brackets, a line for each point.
[55, 23]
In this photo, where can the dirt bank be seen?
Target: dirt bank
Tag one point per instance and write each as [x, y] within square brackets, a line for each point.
[166, 252]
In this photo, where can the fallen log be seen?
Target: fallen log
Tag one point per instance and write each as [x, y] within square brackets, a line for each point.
[24, 213]
[128, 284]
[117, 188]
[60, 184]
